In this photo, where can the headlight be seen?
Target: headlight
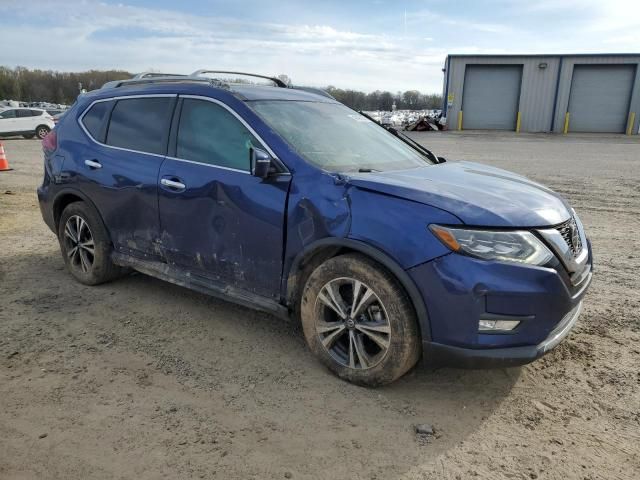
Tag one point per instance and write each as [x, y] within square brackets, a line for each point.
[507, 246]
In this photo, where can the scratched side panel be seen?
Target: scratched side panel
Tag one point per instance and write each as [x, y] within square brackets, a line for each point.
[124, 190]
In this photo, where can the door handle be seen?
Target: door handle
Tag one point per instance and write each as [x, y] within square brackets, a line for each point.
[172, 184]
[92, 164]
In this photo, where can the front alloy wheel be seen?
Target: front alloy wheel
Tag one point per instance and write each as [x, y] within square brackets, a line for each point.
[358, 320]
[354, 326]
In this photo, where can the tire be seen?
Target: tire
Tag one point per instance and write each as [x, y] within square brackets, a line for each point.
[29, 136]
[42, 131]
[378, 344]
[81, 226]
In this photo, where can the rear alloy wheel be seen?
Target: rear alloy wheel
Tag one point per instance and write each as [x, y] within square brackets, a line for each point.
[359, 321]
[85, 245]
[79, 244]
[42, 131]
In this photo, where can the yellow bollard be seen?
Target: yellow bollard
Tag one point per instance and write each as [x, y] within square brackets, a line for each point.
[566, 123]
[518, 123]
[460, 120]
[632, 121]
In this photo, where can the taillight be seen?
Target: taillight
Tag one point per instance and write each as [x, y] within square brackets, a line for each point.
[50, 142]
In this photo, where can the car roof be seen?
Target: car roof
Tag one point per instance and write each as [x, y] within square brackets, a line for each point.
[260, 92]
[243, 92]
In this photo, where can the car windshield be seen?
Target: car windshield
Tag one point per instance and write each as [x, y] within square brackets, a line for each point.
[336, 138]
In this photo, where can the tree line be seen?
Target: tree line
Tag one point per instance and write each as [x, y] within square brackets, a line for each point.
[36, 85]
[27, 85]
[379, 100]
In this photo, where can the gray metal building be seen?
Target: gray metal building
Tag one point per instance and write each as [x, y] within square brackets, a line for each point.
[543, 93]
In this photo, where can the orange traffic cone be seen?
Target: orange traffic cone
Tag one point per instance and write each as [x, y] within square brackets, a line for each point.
[4, 163]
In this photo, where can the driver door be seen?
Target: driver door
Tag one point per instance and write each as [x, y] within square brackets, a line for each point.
[217, 220]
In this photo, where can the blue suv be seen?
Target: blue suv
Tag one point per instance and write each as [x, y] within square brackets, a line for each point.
[284, 200]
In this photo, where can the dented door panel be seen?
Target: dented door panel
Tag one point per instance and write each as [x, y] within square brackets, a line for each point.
[226, 225]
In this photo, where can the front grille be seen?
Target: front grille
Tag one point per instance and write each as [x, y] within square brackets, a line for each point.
[570, 233]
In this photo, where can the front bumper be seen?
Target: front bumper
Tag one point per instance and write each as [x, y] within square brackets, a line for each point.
[439, 354]
[458, 291]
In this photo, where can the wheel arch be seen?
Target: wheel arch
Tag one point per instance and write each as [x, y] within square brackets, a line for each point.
[67, 196]
[321, 250]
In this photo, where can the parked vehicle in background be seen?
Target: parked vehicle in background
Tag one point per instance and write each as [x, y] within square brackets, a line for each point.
[9, 103]
[58, 116]
[28, 122]
[289, 202]
[55, 111]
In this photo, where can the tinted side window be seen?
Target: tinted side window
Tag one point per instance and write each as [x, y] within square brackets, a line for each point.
[209, 133]
[140, 124]
[23, 113]
[8, 114]
[94, 120]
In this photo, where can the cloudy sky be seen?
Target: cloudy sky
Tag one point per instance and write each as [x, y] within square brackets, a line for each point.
[365, 44]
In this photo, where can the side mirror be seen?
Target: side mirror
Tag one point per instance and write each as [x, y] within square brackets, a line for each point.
[261, 163]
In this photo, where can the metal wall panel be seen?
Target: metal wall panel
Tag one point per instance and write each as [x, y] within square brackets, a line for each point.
[566, 76]
[536, 94]
[546, 86]
[599, 98]
[490, 96]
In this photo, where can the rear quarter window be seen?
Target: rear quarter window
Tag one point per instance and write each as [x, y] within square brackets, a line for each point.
[96, 118]
[141, 124]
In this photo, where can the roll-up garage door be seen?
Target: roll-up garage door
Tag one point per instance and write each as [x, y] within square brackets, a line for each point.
[600, 96]
[490, 98]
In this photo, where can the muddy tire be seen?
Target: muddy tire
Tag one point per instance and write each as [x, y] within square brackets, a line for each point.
[359, 322]
[85, 245]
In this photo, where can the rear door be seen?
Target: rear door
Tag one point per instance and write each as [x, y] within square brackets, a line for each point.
[217, 220]
[119, 168]
[25, 120]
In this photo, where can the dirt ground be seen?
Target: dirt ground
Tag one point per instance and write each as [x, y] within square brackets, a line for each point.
[142, 379]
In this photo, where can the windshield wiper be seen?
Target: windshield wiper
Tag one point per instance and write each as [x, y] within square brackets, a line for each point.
[367, 170]
[408, 140]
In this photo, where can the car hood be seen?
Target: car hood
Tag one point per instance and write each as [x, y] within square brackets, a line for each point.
[477, 194]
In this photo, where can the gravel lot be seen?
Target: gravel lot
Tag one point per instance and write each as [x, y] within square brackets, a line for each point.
[142, 379]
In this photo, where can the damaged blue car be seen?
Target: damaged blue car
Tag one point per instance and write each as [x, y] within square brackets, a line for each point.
[284, 200]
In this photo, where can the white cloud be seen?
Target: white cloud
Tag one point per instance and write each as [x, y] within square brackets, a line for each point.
[83, 34]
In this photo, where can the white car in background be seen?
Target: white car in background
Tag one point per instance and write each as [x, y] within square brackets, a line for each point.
[28, 122]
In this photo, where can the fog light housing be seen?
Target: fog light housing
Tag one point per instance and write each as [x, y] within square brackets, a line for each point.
[486, 325]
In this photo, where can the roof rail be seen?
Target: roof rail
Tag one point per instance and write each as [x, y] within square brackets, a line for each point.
[275, 80]
[155, 74]
[161, 79]
[197, 76]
